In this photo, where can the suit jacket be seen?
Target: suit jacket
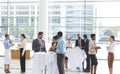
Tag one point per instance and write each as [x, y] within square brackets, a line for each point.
[36, 46]
[86, 45]
[82, 43]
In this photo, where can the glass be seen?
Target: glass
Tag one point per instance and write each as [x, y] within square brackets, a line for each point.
[104, 0]
[28, 31]
[3, 31]
[74, 9]
[102, 9]
[65, 0]
[23, 1]
[17, 13]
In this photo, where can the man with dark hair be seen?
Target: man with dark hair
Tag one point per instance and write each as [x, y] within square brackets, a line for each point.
[38, 45]
[86, 48]
[92, 52]
[79, 42]
[61, 50]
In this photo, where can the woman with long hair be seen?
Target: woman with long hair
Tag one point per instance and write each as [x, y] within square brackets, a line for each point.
[111, 49]
[22, 52]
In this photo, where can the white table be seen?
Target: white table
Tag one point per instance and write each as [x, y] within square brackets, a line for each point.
[75, 57]
[44, 63]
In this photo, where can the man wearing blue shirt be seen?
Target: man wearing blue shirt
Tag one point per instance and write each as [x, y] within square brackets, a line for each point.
[61, 50]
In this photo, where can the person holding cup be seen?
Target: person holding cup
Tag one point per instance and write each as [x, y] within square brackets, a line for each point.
[111, 49]
[38, 45]
[7, 44]
[22, 46]
[93, 48]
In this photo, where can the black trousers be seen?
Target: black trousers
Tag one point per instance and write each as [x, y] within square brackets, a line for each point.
[60, 63]
[88, 61]
[22, 60]
[93, 60]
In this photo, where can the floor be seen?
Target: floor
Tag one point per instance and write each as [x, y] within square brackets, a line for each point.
[15, 68]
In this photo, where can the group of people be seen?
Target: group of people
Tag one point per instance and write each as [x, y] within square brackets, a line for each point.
[8, 44]
[90, 48]
[60, 46]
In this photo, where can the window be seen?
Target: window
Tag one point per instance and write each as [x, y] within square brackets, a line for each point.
[85, 17]
[16, 18]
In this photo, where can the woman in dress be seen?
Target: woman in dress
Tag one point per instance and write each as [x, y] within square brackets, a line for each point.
[7, 44]
[69, 45]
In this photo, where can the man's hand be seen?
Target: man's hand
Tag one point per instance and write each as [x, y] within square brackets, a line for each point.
[98, 48]
[42, 46]
[81, 47]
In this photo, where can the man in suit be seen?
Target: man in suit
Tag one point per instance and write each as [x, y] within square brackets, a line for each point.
[79, 42]
[86, 48]
[38, 45]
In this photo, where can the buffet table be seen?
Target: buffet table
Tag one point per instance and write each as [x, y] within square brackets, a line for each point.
[44, 63]
[15, 54]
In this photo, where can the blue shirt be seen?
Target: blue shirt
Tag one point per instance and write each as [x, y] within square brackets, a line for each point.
[7, 44]
[61, 46]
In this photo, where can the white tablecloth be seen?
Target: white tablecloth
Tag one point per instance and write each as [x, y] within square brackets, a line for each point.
[42, 60]
[75, 57]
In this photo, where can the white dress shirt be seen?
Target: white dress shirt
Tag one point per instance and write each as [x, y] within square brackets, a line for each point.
[92, 47]
[23, 44]
[69, 44]
[111, 47]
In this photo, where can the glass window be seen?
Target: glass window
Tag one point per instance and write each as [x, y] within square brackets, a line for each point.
[85, 17]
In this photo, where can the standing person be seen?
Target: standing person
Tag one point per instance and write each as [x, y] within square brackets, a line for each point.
[7, 45]
[38, 45]
[92, 52]
[23, 53]
[79, 42]
[86, 48]
[111, 49]
[69, 45]
[60, 51]
[54, 44]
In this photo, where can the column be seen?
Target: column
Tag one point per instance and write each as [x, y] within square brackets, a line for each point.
[44, 18]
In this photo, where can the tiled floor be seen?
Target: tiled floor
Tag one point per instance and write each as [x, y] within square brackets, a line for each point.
[15, 68]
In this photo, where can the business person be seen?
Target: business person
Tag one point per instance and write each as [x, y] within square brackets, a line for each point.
[23, 45]
[79, 42]
[86, 48]
[92, 52]
[7, 44]
[111, 49]
[68, 45]
[54, 44]
[38, 45]
[60, 51]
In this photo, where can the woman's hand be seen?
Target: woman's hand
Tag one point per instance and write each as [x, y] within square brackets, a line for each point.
[22, 54]
[19, 45]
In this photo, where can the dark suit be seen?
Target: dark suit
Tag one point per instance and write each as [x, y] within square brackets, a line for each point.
[36, 46]
[78, 44]
[86, 48]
